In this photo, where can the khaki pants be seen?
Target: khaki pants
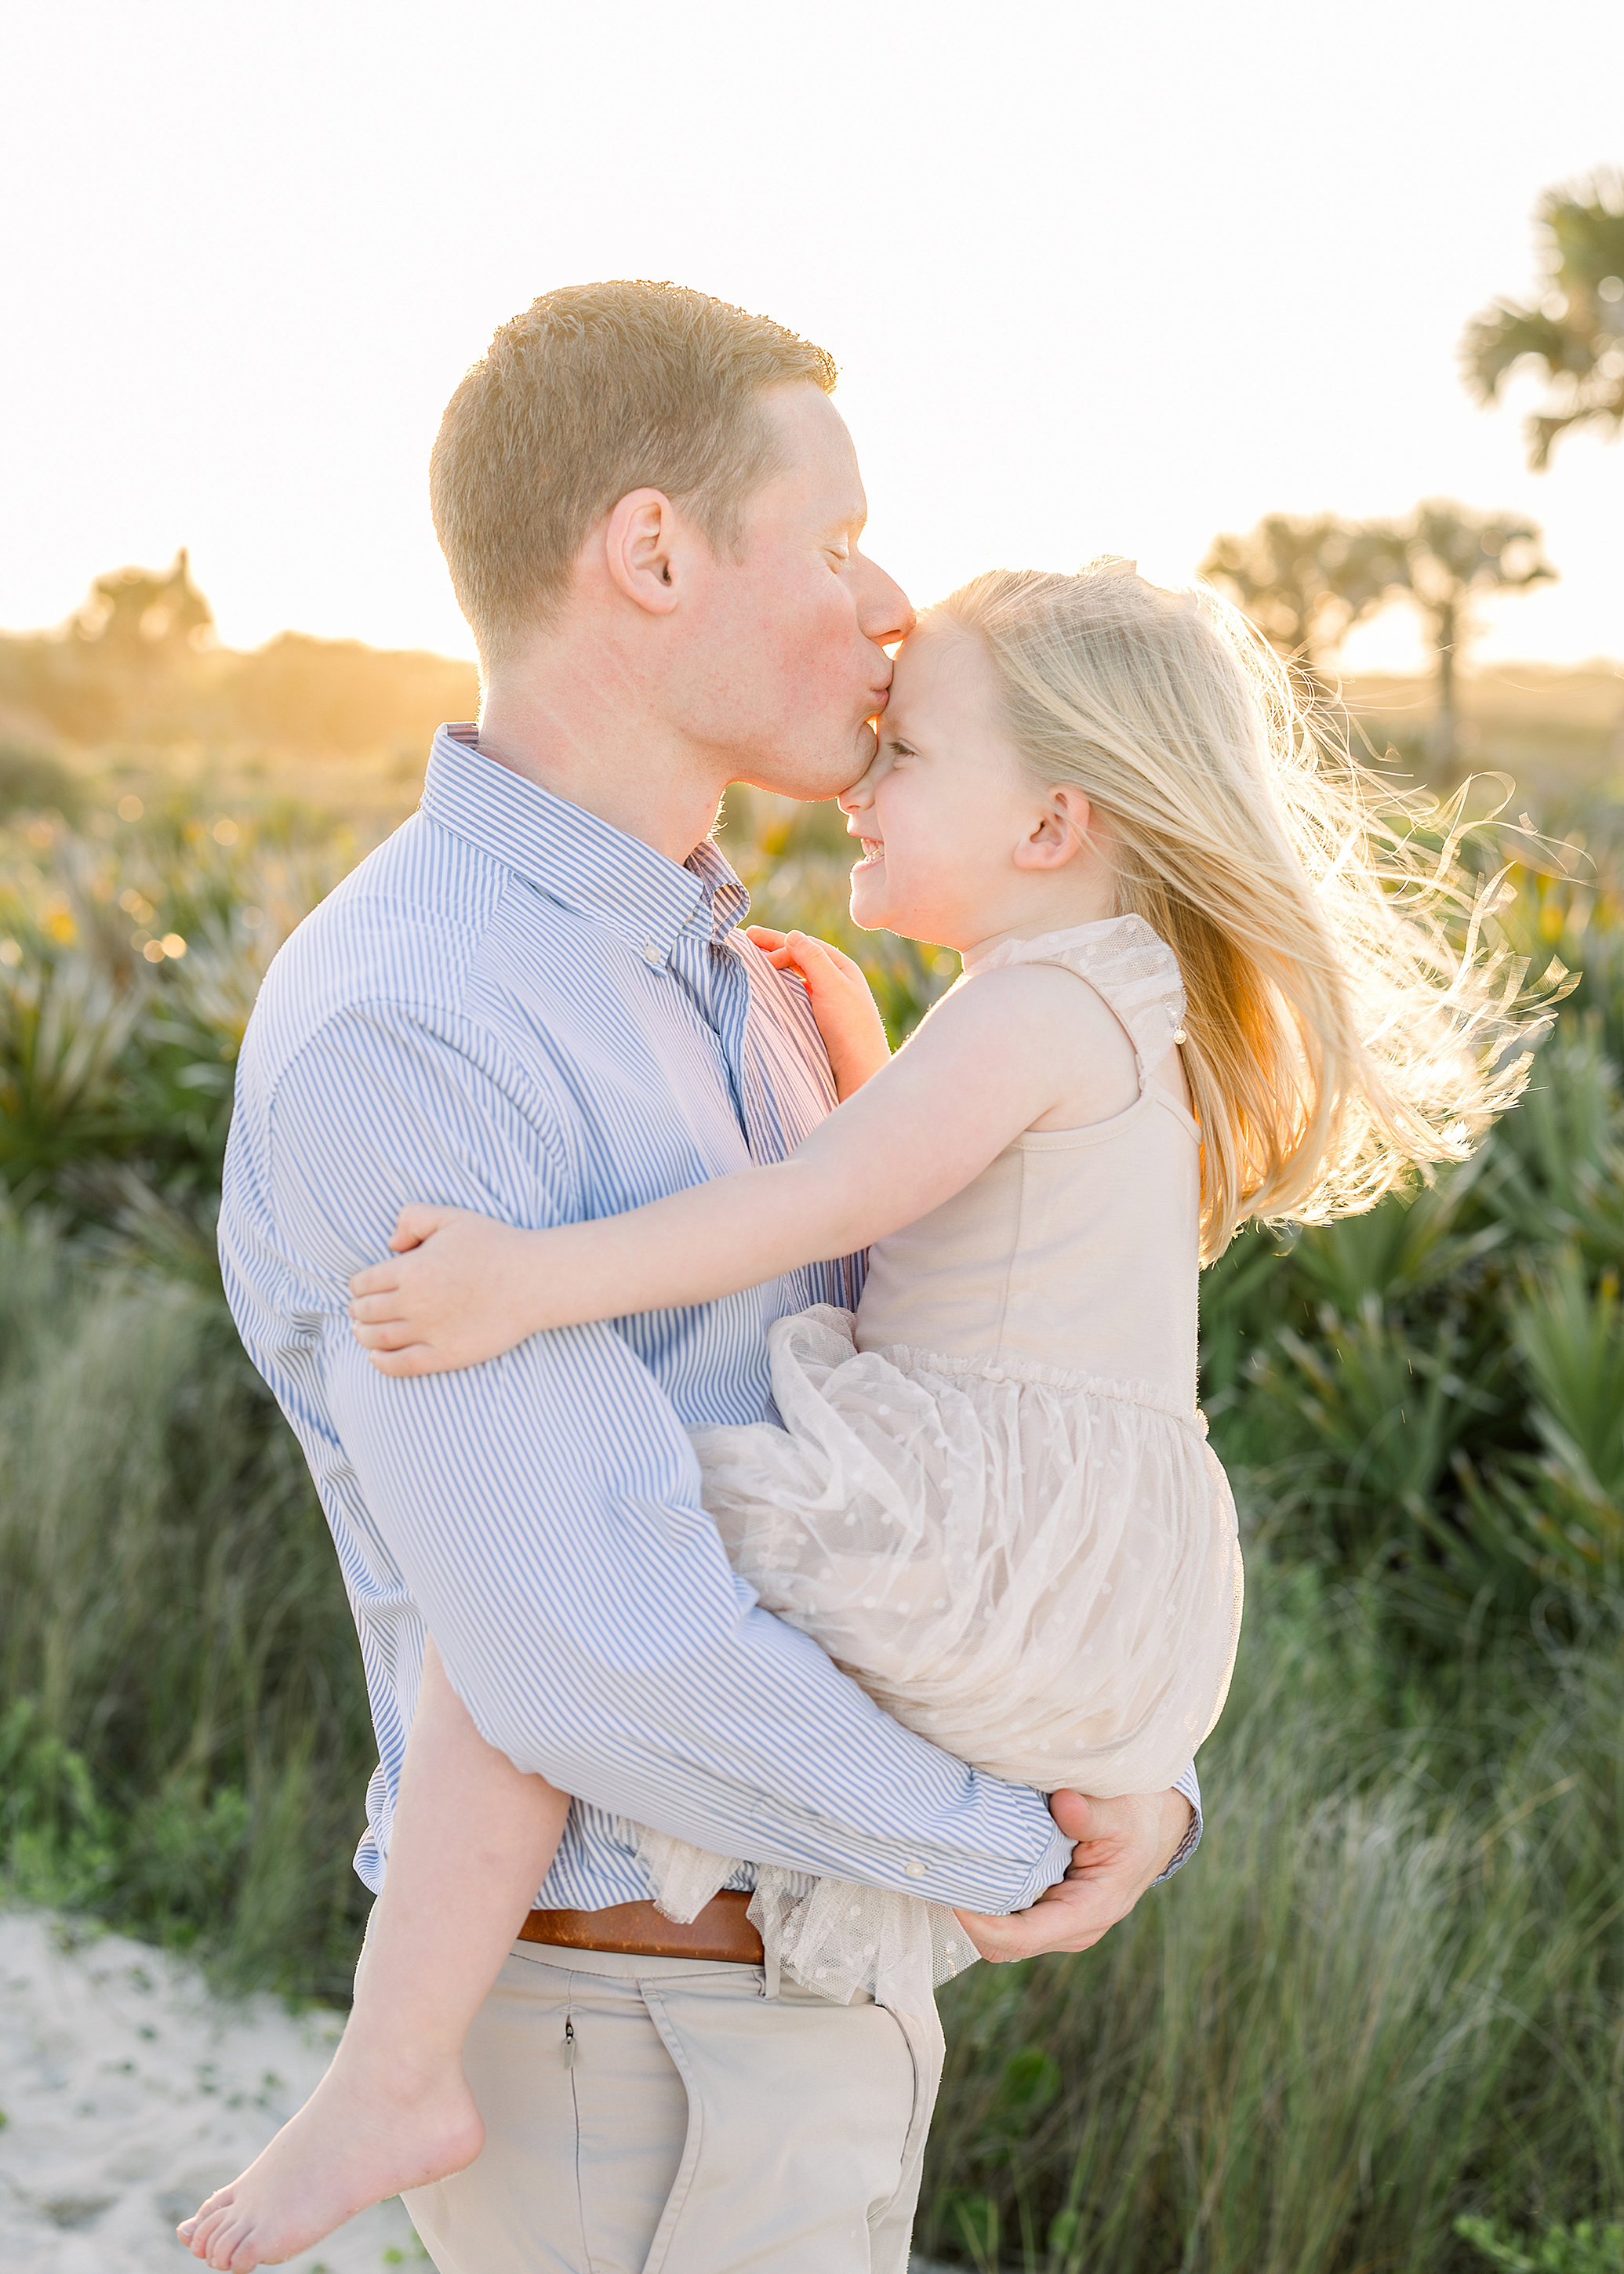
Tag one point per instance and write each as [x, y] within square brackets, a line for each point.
[661, 2116]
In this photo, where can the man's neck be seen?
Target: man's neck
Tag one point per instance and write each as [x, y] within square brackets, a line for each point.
[592, 739]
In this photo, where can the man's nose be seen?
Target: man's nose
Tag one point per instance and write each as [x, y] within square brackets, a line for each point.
[884, 609]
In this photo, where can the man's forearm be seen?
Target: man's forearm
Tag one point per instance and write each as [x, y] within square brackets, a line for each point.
[541, 1512]
[585, 1613]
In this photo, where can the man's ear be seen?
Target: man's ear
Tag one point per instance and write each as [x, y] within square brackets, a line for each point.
[1061, 830]
[641, 546]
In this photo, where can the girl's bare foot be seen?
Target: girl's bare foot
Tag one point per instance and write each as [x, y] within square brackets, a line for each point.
[359, 2137]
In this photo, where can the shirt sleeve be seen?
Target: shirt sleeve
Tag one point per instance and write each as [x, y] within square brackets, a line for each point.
[1190, 1785]
[542, 1513]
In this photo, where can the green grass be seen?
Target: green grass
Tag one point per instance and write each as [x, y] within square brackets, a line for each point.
[1386, 1995]
[184, 1739]
[1555, 731]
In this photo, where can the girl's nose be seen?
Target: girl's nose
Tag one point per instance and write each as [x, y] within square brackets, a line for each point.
[862, 791]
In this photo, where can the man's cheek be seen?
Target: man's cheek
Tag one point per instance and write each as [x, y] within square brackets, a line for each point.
[828, 661]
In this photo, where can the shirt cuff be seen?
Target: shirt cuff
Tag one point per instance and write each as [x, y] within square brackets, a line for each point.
[1051, 1868]
[1190, 1785]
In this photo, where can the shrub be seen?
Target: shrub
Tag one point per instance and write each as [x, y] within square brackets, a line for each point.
[31, 780]
[1433, 1392]
[128, 970]
[1584, 2249]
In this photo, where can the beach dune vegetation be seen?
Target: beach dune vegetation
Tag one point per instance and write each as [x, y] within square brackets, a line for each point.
[1378, 2025]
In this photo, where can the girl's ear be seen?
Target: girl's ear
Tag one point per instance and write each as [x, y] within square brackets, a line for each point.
[1062, 829]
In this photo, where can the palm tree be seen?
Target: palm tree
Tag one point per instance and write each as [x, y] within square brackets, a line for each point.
[1442, 558]
[1575, 332]
[1304, 583]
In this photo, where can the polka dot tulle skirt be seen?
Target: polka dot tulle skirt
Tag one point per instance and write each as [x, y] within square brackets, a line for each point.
[1038, 1571]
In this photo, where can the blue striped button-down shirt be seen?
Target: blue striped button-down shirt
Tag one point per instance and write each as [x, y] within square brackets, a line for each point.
[512, 1007]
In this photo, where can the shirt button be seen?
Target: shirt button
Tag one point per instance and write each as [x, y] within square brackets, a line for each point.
[915, 1870]
[650, 953]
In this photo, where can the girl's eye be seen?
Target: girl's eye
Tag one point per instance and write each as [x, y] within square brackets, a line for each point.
[901, 749]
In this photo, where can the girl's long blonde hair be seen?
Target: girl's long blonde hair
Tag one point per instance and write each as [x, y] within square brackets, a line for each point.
[1346, 1023]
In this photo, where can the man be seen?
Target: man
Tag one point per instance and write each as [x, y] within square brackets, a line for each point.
[534, 1001]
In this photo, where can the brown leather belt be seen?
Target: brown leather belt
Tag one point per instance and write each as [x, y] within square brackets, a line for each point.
[721, 1931]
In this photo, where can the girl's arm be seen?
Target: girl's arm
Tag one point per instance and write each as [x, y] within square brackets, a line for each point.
[982, 1066]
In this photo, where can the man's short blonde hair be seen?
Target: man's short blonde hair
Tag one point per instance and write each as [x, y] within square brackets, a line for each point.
[594, 391]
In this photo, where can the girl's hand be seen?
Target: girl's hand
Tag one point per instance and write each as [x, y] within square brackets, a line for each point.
[463, 1289]
[847, 1015]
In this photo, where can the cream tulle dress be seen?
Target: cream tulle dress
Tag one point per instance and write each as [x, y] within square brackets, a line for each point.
[992, 1502]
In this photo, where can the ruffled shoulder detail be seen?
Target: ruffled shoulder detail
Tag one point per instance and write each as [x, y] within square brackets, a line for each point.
[1123, 960]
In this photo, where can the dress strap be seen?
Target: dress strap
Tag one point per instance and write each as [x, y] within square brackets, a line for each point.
[1126, 964]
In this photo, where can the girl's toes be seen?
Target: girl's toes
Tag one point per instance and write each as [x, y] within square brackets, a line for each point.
[206, 2241]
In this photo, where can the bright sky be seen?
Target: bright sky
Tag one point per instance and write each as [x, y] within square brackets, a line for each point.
[1099, 279]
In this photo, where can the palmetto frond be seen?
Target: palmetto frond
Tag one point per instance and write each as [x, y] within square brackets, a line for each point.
[1575, 334]
[64, 1083]
[1451, 552]
[1497, 341]
[1602, 406]
[1304, 580]
[1587, 229]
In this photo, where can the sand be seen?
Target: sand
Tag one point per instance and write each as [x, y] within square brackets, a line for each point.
[130, 2093]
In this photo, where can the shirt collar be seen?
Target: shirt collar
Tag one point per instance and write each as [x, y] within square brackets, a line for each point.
[573, 858]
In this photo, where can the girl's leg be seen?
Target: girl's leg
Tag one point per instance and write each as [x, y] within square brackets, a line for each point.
[472, 1842]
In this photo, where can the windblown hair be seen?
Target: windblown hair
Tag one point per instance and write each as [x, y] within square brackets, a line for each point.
[1345, 1023]
[595, 390]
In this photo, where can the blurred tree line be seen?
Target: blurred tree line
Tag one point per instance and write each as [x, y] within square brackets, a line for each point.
[1306, 583]
[139, 664]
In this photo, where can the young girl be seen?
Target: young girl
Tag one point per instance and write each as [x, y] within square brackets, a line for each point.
[1190, 998]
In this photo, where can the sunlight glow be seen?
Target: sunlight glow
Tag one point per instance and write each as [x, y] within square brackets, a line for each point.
[1098, 280]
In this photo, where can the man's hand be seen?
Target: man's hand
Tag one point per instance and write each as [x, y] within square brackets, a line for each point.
[1122, 1846]
[848, 1016]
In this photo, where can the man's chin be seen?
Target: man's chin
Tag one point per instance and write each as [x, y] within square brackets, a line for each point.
[816, 780]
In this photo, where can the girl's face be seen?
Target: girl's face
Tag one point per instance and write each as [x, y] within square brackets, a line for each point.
[955, 838]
